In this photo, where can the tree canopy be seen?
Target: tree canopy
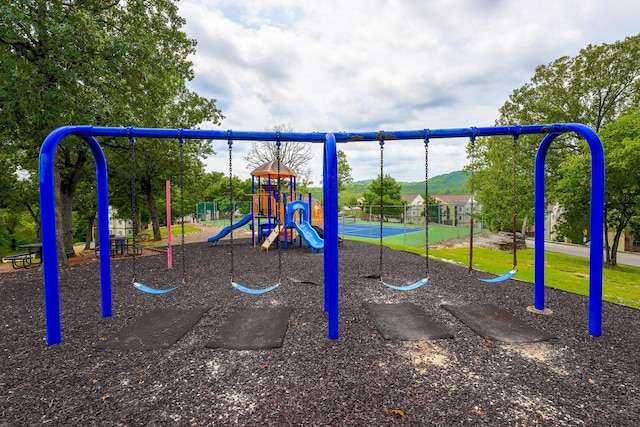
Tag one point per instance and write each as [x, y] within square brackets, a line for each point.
[105, 63]
[592, 88]
[621, 142]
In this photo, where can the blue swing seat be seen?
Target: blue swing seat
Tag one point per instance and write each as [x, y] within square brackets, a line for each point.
[147, 289]
[251, 291]
[415, 285]
[509, 274]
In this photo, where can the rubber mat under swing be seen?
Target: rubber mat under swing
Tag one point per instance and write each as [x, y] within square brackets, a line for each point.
[159, 328]
[253, 328]
[405, 321]
[494, 323]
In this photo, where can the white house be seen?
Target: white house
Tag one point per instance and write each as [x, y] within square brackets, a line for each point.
[455, 209]
[414, 208]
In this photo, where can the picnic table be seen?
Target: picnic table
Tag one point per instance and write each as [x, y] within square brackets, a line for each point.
[121, 245]
[25, 259]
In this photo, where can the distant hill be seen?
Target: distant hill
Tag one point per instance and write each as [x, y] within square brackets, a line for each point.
[449, 183]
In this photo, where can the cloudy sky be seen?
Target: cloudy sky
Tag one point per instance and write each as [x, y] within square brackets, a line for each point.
[367, 65]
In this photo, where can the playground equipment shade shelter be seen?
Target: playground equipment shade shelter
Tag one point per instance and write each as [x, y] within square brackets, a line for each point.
[330, 191]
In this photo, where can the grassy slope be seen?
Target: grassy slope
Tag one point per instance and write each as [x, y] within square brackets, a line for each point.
[621, 285]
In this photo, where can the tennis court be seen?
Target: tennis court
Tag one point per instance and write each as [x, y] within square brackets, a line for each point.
[372, 230]
[412, 235]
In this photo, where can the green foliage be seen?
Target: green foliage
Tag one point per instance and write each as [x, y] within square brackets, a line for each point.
[389, 191]
[103, 63]
[621, 143]
[455, 182]
[591, 88]
[344, 171]
[218, 188]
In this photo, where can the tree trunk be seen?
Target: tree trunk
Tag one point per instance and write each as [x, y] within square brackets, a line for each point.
[63, 233]
[607, 260]
[614, 248]
[153, 213]
[65, 190]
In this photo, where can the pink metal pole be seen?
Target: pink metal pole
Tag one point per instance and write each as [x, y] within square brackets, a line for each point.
[169, 249]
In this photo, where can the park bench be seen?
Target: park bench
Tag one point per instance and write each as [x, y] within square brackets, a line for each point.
[24, 259]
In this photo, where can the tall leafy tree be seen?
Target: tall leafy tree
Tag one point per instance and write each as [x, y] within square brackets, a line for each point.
[344, 171]
[621, 142]
[391, 192]
[106, 63]
[591, 88]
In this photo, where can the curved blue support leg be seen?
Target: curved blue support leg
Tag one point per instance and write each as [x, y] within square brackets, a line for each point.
[251, 291]
[508, 275]
[147, 289]
[415, 285]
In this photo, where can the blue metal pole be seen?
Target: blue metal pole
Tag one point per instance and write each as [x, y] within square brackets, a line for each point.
[103, 226]
[49, 232]
[596, 225]
[319, 137]
[331, 286]
[539, 211]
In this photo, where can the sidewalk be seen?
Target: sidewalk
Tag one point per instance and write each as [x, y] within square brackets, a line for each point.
[624, 258]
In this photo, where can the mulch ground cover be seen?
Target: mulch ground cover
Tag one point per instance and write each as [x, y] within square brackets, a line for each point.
[360, 379]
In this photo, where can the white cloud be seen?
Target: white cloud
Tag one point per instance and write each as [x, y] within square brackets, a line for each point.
[369, 65]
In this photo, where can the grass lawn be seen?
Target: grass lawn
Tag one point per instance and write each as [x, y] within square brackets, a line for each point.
[621, 285]
[176, 230]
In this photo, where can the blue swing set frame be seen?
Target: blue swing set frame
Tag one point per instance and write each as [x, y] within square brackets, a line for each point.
[330, 182]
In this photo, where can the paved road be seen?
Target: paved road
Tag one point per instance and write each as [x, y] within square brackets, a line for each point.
[583, 251]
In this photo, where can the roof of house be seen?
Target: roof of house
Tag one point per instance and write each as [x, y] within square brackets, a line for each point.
[410, 198]
[453, 199]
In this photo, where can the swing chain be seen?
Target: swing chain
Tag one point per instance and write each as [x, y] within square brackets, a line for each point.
[279, 207]
[381, 133]
[472, 141]
[230, 143]
[515, 195]
[426, 203]
[181, 142]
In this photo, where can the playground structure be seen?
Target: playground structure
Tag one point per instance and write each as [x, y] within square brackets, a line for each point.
[277, 213]
[330, 189]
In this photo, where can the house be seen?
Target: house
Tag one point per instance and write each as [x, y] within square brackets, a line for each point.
[455, 209]
[414, 211]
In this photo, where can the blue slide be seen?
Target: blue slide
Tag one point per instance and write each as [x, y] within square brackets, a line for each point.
[244, 221]
[310, 236]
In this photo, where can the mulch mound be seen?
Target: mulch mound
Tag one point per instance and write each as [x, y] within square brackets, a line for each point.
[360, 379]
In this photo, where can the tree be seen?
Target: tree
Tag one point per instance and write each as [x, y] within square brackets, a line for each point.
[391, 195]
[344, 171]
[591, 88]
[621, 142]
[104, 63]
[295, 155]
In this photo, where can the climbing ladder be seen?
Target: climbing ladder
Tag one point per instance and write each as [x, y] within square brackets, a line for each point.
[271, 238]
